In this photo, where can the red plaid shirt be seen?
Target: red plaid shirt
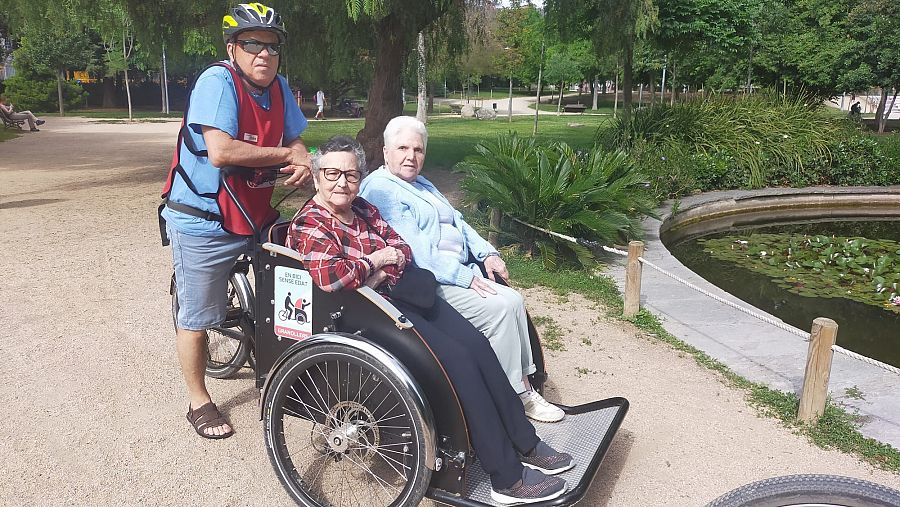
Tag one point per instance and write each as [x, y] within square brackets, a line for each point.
[332, 250]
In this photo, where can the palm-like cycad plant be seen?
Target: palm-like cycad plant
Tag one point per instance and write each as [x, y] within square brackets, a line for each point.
[597, 195]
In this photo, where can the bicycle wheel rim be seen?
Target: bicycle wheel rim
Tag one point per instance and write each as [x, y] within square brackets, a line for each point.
[381, 464]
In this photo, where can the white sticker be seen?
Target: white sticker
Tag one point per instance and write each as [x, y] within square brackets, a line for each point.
[293, 300]
[250, 137]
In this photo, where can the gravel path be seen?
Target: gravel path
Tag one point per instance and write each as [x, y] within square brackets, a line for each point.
[96, 397]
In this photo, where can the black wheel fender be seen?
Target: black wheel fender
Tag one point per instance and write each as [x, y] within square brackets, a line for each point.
[365, 345]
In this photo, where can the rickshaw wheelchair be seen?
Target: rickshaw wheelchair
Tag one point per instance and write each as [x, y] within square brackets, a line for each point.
[355, 406]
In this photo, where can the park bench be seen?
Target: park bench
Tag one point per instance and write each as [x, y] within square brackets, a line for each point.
[9, 122]
[574, 108]
[455, 108]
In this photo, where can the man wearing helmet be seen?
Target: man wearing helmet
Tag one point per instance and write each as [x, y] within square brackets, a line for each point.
[240, 112]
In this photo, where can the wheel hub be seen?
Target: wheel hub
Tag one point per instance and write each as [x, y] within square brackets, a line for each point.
[341, 438]
[351, 427]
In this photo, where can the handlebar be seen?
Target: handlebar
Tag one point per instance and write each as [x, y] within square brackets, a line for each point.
[242, 170]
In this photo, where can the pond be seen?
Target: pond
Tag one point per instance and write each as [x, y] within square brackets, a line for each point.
[801, 271]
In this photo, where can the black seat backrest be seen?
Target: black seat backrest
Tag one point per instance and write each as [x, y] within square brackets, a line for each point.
[278, 233]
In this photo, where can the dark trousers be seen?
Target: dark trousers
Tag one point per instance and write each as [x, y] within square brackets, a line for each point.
[497, 423]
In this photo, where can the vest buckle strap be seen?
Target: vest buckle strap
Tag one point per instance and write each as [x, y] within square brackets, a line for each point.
[194, 212]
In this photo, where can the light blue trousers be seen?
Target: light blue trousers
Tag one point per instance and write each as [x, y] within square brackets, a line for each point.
[501, 318]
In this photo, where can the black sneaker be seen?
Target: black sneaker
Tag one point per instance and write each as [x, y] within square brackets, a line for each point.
[35, 130]
[547, 460]
[533, 487]
[40, 122]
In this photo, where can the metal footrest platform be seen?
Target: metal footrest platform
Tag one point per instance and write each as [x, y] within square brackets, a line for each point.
[585, 433]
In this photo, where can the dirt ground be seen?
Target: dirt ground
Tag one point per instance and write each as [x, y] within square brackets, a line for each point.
[95, 399]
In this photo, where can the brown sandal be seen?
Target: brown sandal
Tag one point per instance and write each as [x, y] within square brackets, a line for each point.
[207, 416]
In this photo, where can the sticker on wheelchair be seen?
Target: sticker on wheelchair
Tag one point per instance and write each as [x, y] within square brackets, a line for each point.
[293, 298]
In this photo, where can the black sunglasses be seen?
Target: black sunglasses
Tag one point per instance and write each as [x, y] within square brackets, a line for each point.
[255, 47]
[332, 174]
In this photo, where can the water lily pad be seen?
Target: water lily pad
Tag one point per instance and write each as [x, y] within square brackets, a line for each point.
[861, 269]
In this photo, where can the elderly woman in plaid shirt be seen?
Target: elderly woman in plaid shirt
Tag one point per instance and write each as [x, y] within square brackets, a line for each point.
[346, 244]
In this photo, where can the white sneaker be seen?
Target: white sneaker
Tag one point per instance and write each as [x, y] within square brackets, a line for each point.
[539, 409]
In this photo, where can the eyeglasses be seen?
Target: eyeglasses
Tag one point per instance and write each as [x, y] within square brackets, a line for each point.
[255, 47]
[332, 174]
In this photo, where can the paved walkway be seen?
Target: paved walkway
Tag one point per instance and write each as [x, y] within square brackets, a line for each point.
[754, 349]
[521, 106]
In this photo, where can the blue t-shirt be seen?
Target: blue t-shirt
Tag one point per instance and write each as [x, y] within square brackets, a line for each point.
[214, 104]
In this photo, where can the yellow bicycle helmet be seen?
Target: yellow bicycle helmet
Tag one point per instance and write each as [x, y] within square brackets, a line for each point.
[252, 16]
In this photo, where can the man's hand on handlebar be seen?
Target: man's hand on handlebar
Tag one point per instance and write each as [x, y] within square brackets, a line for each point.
[301, 175]
[299, 165]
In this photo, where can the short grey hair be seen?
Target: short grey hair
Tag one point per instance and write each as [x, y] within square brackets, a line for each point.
[337, 144]
[401, 123]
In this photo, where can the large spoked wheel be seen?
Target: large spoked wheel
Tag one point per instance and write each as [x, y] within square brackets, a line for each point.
[809, 491]
[342, 430]
[228, 345]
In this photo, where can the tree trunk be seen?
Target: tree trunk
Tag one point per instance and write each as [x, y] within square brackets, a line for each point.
[885, 109]
[164, 83]
[627, 73]
[431, 99]
[594, 88]
[616, 94]
[559, 102]
[59, 92]
[109, 92]
[672, 79]
[652, 92]
[887, 113]
[537, 99]
[879, 112]
[385, 101]
[128, 94]
[125, 52]
[750, 71]
[421, 113]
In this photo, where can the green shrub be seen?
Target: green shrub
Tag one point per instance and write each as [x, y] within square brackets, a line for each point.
[41, 95]
[890, 147]
[750, 135]
[860, 160]
[668, 170]
[596, 195]
[673, 170]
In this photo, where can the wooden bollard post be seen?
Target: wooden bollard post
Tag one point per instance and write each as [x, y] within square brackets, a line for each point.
[493, 236]
[633, 279]
[818, 370]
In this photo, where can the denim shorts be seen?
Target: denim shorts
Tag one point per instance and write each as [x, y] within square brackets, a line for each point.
[202, 267]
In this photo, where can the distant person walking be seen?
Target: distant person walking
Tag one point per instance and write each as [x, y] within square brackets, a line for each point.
[320, 104]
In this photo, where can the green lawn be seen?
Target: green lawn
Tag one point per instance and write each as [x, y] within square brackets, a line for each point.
[7, 134]
[451, 139]
[410, 108]
[603, 111]
[604, 103]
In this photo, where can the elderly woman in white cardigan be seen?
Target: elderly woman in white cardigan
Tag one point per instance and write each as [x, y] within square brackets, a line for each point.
[442, 242]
